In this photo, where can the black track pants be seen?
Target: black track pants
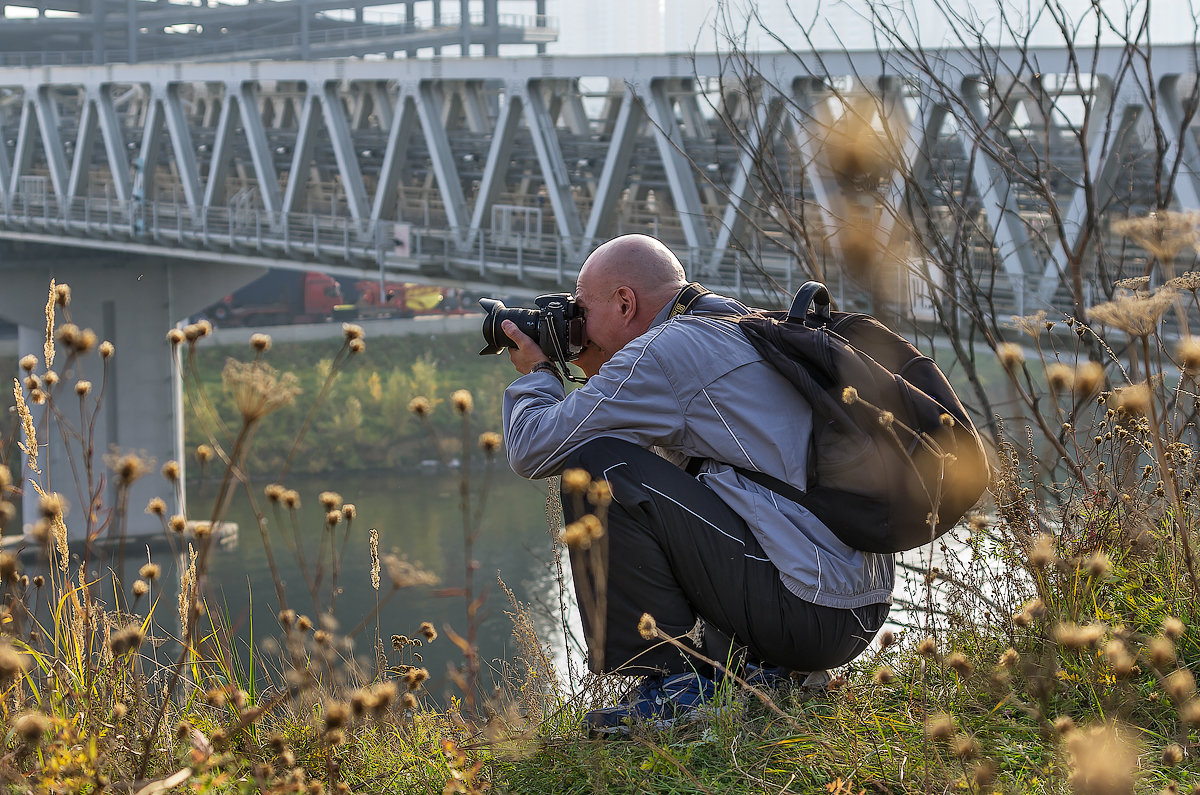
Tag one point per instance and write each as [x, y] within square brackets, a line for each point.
[673, 549]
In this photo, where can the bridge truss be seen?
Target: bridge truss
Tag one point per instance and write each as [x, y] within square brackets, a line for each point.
[508, 171]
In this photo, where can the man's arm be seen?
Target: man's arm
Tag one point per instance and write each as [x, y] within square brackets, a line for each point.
[630, 398]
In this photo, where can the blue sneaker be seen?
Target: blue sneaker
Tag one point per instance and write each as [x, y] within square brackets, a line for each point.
[660, 701]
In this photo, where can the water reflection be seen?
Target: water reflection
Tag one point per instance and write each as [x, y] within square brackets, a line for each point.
[418, 517]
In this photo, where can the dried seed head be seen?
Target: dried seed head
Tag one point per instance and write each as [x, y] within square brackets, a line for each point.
[1137, 315]
[1133, 400]
[126, 640]
[150, 571]
[39, 581]
[959, 663]
[489, 442]
[349, 511]
[1010, 355]
[204, 453]
[576, 481]
[887, 639]
[274, 492]
[258, 388]
[352, 331]
[428, 632]
[415, 677]
[1102, 761]
[1173, 628]
[177, 523]
[964, 747]
[1189, 712]
[1078, 636]
[50, 377]
[12, 662]
[304, 623]
[128, 467]
[83, 388]
[52, 505]
[336, 715]
[260, 342]
[1064, 724]
[1172, 754]
[886, 419]
[1180, 685]
[333, 518]
[408, 701]
[984, 774]
[1089, 377]
[107, 349]
[1009, 658]
[8, 566]
[28, 362]
[1098, 564]
[171, 471]
[68, 335]
[1060, 377]
[290, 499]
[884, 675]
[32, 725]
[202, 530]
[599, 493]
[647, 627]
[420, 406]
[1042, 553]
[175, 336]
[156, 507]
[849, 395]
[927, 648]
[1119, 658]
[140, 588]
[1188, 352]
[356, 346]
[1161, 652]
[330, 500]
[322, 638]
[462, 401]
[939, 726]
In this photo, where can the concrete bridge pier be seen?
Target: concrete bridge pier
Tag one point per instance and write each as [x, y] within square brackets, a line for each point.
[132, 302]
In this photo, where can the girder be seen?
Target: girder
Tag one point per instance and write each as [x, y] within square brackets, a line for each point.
[513, 169]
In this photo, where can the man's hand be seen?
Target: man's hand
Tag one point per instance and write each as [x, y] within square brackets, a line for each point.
[527, 353]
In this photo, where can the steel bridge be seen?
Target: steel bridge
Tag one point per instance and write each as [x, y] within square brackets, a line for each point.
[507, 171]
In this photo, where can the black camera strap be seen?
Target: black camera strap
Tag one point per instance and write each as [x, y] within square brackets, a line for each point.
[686, 298]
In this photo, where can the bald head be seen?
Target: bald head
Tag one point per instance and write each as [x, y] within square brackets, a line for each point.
[639, 261]
[622, 286]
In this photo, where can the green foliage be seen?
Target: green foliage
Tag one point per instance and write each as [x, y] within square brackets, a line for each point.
[364, 422]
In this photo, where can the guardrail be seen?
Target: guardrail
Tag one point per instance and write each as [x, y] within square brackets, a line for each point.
[378, 28]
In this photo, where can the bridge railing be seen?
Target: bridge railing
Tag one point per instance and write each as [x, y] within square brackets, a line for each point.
[534, 262]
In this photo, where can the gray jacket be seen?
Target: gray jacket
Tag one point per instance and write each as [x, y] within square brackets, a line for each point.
[693, 386]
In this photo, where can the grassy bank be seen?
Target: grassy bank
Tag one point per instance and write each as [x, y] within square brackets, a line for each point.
[1054, 652]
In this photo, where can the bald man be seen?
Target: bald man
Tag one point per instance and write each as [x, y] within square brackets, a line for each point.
[677, 399]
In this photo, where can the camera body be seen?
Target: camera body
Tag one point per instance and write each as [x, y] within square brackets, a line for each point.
[557, 324]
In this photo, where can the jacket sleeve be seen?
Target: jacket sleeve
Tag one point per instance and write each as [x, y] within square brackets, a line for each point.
[630, 399]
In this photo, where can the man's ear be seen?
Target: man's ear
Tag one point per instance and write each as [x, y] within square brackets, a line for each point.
[627, 303]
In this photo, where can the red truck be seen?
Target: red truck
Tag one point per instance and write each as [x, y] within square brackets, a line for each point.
[281, 297]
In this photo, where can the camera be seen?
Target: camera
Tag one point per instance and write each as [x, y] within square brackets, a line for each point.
[556, 324]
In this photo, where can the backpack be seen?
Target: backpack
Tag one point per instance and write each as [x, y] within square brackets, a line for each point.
[874, 483]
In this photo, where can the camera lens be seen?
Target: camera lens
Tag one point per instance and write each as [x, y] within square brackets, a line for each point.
[495, 313]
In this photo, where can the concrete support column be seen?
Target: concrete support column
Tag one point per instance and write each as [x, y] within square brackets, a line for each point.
[132, 304]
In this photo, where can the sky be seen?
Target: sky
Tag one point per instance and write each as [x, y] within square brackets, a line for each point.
[655, 26]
